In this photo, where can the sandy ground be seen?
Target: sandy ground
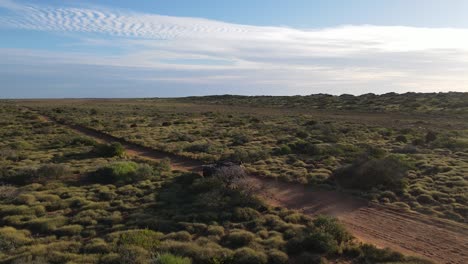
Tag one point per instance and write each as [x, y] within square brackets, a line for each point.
[439, 240]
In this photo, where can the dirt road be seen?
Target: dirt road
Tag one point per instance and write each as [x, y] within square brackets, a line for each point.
[439, 240]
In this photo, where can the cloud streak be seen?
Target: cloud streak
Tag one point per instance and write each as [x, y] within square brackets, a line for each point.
[394, 57]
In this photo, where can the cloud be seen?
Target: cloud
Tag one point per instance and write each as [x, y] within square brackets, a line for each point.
[202, 51]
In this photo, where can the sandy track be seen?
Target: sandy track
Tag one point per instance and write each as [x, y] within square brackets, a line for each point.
[436, 239]
[439, 240]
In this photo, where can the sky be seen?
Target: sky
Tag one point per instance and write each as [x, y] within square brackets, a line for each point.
[62, 49]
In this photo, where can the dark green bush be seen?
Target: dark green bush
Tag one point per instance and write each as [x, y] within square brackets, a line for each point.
[52, 171]
[143, 238]
[371, 254]
[114, 149]
[249, 256]
[401, 138]
[171, 259]
[122, 172]
[367, 173]
[277, 257]
[239, 238]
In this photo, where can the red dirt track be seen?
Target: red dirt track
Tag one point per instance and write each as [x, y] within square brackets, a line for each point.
[439, 240]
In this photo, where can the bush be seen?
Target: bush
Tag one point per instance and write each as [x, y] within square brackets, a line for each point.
[245, 214]
[97, 246]
[331, 226]
[277, 257]
[69, 230]
[368, 173]
[114, 149]
[249, 256]
[239, 238]
[133, 254]
[171, 259]
[240, 139]
[401, 138]
[10, 238]
[122, 173]
[143, 238]
[46, 225]
[371, 254]
[52, 171]
[430, 136]
[179, 236]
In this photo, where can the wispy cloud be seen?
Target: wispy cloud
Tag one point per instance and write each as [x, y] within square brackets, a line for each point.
[394, 57]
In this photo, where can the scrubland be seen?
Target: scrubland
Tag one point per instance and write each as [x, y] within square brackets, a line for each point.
[69, 198]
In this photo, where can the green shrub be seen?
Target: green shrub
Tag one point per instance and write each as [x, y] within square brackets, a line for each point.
[122, 173]
[69, 230]
[133, 254]
[179, 236]
[245, 214]
[249, 256]
[239, 238]
[331, 226]
[401, 138]
[430, 136]
[277, 257]
[323, 243]
[203, 253]
[371, 254]
[425, 199]
[215, 230]
[52, 171]
[46, 224]
[10, 238]
[114, 149]
[367, 173]
[143, 238]
[171, 259]
[27, 199]
[97, 246]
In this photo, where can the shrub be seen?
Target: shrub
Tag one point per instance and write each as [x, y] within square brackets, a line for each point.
[97, 246]
[133, 254]
[425, 199]
[277, 257]
[69, 230]
[430, 136]
[27, 199]
[179, 236]
[143, 238]
[52, 171]
[371, 254]
[282, 150]
[10, 238]
[215, 230]
[46, 225]
[401, 138]
[240, 139]
[171, 259]
[367, 173]
[83, 141]
[245, 214]
[114, 149]
[249, 256]
[206, 253]
[122, 172]
[331, 226]
[239, 238]
[203, 147]
[320, 242]
[307, 258]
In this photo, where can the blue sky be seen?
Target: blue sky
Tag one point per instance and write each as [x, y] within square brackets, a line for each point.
[180, 48]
